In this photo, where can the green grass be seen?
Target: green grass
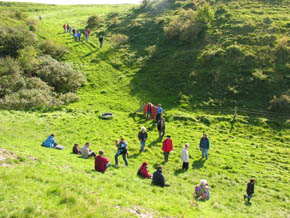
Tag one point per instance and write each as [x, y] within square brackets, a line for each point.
[60, 184]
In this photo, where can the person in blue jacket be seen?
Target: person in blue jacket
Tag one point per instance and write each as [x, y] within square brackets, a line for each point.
[49, 142]
[122, 150]
[160, 111]
[204, 146]
[158, 179]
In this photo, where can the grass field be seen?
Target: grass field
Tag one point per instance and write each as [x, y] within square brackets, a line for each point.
[42, 182]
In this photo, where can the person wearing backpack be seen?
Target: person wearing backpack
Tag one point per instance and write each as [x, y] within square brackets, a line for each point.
[121, 150]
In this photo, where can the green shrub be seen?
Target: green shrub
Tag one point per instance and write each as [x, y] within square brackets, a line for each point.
[61, 76]
[28, 60]
[281, 104]
[32, 25]
[115, 21]
[14, 39]
[282, 50]
[119, 39]
[50, 48]
[95, 21]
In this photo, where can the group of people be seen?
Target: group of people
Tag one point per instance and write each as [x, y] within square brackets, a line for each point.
[102, 163]
[77, 34]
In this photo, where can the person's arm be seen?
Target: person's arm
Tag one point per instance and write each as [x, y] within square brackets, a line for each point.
[146, 136]
[208, 143]
[139, 135]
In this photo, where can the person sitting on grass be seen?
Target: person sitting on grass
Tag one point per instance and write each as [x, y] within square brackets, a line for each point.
[76, 149]
[202, 190]
[86, 152]
[50, 143]
[158, 179]
[101, 162]
[143, 172]
[250, 190]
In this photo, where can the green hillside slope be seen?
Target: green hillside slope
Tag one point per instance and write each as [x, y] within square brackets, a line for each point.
[232, 62]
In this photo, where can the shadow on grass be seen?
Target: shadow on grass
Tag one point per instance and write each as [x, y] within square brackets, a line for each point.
[248, 204]
[179, 171]
[135, 155]
[153, 143]
[197, 164]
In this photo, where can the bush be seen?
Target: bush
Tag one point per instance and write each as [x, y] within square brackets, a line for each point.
[120, 39]
[28, 61]
[61, 76]
[50, 48]
[115, 21]
[95, 21]
[282, 50]
[32, 25]
[13, 39]
[281, 104]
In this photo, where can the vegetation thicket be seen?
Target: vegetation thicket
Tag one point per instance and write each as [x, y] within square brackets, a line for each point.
[199, 59]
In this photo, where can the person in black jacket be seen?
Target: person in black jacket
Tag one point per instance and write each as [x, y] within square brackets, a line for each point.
[250, 190]
[143, 137]
[101, 39]
[161, 127]
[158, 179]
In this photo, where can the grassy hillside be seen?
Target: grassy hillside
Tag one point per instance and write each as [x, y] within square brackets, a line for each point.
[40, 182]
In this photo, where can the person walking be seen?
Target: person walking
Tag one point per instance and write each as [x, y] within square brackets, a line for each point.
[161, 127]
[101, 39]
[185, 157]
[160, 111]
[148, 108]
[64, 28]
[70, 30]
[40, 17]
[101, 162]
[204, 146]
[167, 147]
[142, 135]
[79, 35]
[250, 190]
[87, 33]
[158, 178]
[121, 150]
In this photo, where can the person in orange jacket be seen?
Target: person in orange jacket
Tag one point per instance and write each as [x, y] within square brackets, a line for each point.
[148, 108]
[167, 147]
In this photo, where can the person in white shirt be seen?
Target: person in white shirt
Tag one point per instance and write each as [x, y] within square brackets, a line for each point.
[185, 157]
[86, 152]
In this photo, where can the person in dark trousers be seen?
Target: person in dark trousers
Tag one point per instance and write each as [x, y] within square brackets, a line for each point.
[158, 179]
[204, 146]
[79, 35]
[161, 127]
[122, 150]
[101, 39]
[101, 162]
[142, 135]
[250, 190]
[160, 111]
[167, 147]
[76, 149]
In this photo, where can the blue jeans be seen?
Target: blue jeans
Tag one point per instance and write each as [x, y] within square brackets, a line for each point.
[142, 145]
[204, 152]
[124, 158]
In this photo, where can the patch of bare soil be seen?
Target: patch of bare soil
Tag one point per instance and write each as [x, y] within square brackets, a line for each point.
[137, 211]
[5, 155]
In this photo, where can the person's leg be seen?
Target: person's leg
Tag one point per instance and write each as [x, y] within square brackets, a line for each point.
[163, 133]
[159, 134]
[206, 153]
[164, 156]
[183, 165]
[125, 160]
[202, 152]
[142, 145]
[116, 159]
[249, 197]
[186, 166]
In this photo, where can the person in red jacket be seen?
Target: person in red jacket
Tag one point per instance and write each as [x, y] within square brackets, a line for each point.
[64, 28]
[148, 107]
[143, 171]
[101, 162]
[167, 147]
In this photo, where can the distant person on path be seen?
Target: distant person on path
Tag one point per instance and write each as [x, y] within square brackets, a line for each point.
[143, 171]
[204, 146]
[73, 31]
[40, 17]
[101, 162]
[86, 152]
[101, 39]
[159, 112]
[122, 150]
[202, 190]
[64, 28]
[161, 127]
[87, 33]
[76, 36]
[70, 30]
[250, 190]
[148, 108]
[76, 149]
[167, 147]
[51, 143]
[79, 35]
[142, 135]
[185, 157]
[158, 179]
